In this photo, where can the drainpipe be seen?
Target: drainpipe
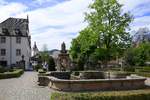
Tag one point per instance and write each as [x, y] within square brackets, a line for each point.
[10, 51]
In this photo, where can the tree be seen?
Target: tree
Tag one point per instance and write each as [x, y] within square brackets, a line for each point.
[139, 55]
[44, 56]
[45, 49]
[51, 64]
[106, 31]
[142, 35]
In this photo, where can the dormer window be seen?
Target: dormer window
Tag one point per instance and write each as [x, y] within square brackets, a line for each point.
[17, 32]
[5, 31]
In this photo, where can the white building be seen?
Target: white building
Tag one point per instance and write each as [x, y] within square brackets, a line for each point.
[15, 43]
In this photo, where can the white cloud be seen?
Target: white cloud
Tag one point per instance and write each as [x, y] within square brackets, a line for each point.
[141, 22]
[40, 2]
[140, 10]
[2, 2]
[55, 24]
[11, 9]
[130, 5]
[62, 22]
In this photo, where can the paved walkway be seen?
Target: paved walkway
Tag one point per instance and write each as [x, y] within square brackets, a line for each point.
[23, 88]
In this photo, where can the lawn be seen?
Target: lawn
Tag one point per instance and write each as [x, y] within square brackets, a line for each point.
[113, 95]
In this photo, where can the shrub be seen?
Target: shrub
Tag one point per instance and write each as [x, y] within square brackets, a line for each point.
[145, 69]
[15, 73]
[143, 74]
[51, 64]
[41, 71]
[2, 70]
[115, 69]
[142, 69]
[37, 67]
[114, 95]
[129, 69]
[76, 73]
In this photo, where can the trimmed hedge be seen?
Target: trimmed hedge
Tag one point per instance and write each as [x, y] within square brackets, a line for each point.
[41, 71]
[15, 73]
[143, 74]
[2, 70]
[144, 69]
[114, 95]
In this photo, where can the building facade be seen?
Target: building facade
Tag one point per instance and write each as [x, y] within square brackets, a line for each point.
[15, 42]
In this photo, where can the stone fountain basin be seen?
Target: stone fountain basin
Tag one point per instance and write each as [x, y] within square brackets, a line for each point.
[132, 82]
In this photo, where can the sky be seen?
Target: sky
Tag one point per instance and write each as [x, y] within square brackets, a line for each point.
[55, 21]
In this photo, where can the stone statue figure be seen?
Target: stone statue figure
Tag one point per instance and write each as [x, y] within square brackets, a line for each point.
[63, 48]
[63, 60]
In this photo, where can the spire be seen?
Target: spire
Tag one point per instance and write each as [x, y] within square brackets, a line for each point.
[27, 24]
[35, 49]
[35, 46]
[27, 18]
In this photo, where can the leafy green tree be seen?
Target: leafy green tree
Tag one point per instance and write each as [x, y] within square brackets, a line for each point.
[129, 57]
[75, 50]
[106, 32]
[139, 55]
[44, 56]
[51, 64]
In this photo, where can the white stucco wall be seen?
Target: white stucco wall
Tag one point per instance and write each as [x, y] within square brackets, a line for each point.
[11, 47]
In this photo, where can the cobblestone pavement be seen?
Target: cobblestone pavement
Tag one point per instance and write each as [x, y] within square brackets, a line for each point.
[23, 88]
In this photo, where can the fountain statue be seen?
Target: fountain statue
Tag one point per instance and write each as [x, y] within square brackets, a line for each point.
[63, 60]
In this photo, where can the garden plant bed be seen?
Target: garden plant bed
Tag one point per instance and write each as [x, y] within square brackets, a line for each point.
[113, 95]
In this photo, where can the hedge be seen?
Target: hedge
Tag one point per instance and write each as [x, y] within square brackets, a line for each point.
[41, 71]
[114, 95]
[15, 73]
[143, 74]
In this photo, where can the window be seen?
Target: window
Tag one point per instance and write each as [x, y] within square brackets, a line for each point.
[3, 52]
[18, 32]
[5, 31]
[18, 40]
[3, 39]
[18, 52]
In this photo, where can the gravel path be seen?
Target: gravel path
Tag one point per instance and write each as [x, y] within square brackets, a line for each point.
[23, 88]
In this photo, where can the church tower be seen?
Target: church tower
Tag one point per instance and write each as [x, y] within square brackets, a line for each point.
[35, 50]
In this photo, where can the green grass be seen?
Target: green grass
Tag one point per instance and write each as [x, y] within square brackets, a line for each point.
[13, 74]
[114, 95]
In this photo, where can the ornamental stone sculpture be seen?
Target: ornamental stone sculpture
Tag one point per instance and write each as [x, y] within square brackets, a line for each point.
[63, 48]
[63, 60]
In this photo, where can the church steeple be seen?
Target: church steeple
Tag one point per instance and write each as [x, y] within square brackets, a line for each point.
[35, 46]
[35, 49]
[27, 18]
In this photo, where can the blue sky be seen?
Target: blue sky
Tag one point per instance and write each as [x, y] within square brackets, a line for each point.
[55, 21]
